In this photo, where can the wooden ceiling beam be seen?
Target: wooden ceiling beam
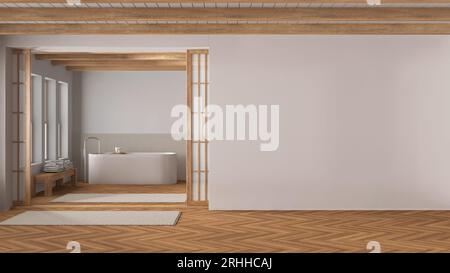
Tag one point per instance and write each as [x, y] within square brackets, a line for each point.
[210, 29]
[225, 14]
[120, 63]
[150, 56]
[114, 63]
[126, 68]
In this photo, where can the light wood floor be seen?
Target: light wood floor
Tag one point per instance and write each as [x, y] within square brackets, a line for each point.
[200, 230]
[41, 201]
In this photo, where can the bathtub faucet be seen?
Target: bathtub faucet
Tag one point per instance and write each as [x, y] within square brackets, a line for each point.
[86, 139]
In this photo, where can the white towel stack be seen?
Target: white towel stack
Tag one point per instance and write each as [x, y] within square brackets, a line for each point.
[67, 163]
[55, 166]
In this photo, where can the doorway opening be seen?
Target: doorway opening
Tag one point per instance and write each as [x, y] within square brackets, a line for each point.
[39, 121]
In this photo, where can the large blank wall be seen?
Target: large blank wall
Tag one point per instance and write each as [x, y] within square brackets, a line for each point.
[364, 123]
[364, 120]
[130, 102]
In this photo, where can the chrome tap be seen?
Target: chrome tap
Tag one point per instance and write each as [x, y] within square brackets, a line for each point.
[86, 139]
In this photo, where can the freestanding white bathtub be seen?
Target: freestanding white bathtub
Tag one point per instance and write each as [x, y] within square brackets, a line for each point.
[133, 168]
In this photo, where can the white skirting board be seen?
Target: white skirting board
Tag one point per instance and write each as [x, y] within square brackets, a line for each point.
[94, 218]
[121, 198]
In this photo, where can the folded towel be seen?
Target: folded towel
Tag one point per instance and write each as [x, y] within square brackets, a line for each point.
[57, 165]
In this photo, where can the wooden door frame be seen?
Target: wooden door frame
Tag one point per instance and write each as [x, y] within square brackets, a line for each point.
[23, 138]
[27, 126]
[189, 140]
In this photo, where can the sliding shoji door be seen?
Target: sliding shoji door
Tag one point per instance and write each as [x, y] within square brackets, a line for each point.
[197, 151]
[21, 125]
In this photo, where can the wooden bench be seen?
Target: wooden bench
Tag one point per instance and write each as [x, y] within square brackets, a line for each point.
[49, 178]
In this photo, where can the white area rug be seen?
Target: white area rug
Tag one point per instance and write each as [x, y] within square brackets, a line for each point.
[121, 198]
[94, 218]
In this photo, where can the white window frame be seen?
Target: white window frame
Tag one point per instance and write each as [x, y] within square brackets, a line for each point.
[41, 158]
[45, 119]
[60, 116]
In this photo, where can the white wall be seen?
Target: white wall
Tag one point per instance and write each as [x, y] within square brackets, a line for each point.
[365, 122]
[46, 69]
[130, 102]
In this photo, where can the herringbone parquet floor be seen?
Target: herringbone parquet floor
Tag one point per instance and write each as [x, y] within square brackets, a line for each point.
[200, 230]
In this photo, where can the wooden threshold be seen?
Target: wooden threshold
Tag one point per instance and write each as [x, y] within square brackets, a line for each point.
[211, 29]
[198, 203]
[105, 206]
[81, 188]
[41, 202]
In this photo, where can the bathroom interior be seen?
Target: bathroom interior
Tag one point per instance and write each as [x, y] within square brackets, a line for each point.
[107, 116]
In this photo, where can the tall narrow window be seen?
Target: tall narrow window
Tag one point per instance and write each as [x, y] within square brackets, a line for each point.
[50, 120]
[36, 118]
[63, 125]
